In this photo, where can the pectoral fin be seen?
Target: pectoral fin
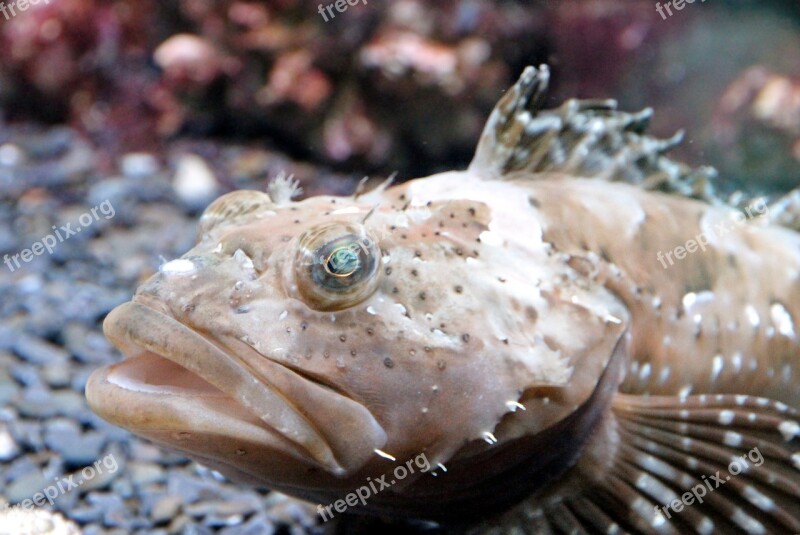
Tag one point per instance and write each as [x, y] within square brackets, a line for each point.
[700, 464]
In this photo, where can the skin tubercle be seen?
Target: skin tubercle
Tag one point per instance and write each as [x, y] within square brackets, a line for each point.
[719, 320]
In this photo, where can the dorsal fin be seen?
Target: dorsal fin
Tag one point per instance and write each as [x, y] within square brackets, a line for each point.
[585, 138]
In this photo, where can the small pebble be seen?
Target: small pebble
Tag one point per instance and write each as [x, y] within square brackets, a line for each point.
[194, 181]
[8, 446]
[166, 509]
[138, 165]
[39, 352]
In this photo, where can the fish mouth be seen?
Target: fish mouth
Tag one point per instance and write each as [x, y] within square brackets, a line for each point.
[256, 417]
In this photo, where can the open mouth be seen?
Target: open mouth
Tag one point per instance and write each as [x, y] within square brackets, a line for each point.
[176, 384]
[152, 373]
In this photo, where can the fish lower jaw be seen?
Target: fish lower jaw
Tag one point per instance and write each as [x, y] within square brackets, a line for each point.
[163, 402]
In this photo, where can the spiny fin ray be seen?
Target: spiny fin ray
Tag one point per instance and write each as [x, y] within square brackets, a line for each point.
[588, 138]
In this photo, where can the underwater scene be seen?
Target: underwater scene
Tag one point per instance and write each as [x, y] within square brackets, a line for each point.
[344, 267]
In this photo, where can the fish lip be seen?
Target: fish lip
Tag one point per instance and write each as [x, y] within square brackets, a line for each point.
[137, 328]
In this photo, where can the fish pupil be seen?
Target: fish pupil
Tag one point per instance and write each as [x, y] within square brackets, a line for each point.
[342, 262]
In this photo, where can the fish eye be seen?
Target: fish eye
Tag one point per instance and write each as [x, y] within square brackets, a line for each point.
[336, 266]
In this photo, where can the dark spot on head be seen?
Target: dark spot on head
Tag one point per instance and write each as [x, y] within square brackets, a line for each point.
[471, 211]
[303, 326]
[452, 215]
[441, 224]
[342, 337]
[326, 354]
[393, 227]
[458, 251]
[414, 272]
[422, 296]
[417, 254]
[427, 349]
[296, 221]
[458, 288]
[505, 341]
[605, 254]
[370, 331]
[353, 352]
[402, 196]
[441, 365]
[388, 271]
[501, 279]
[404, 236]
[533, 202]
[531, 313]
[395, 290]
[465, 338]
[389, 363]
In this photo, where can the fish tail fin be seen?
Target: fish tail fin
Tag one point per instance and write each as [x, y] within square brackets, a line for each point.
[587, 138]
[698, 464]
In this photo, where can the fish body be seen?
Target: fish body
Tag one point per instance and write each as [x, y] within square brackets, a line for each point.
[519, 323]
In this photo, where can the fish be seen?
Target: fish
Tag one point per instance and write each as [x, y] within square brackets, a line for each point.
[577, 333]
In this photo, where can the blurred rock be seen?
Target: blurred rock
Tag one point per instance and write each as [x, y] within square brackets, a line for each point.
[36, 522]
[8, 446]
[194, 182]
[756, 128]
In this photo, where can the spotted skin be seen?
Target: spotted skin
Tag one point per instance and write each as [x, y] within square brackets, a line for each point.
[723, 320]
[513, 322]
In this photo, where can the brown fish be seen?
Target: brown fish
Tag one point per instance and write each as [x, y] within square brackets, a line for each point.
[571, 349]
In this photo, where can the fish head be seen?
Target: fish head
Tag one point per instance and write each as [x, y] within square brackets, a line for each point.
[309, 345]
